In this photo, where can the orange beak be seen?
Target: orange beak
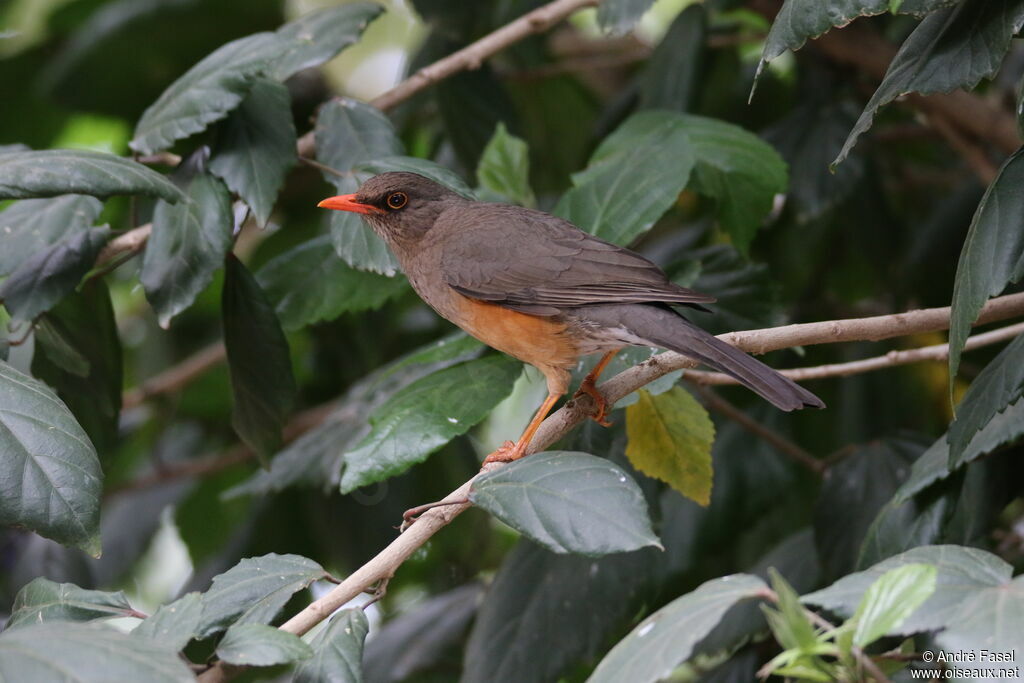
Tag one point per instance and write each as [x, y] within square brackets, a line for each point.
[347, 202]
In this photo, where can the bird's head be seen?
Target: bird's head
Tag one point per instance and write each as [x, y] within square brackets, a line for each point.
[400, 207]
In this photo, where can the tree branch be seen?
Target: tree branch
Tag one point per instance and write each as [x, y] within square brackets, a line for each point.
[175, 377]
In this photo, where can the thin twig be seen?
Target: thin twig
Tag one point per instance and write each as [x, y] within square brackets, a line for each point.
[175, 378]
[974, 156]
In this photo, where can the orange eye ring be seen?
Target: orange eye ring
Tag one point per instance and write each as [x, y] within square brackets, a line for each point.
[396, 200]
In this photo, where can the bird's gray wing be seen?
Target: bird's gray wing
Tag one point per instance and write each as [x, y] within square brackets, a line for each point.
[536, 263]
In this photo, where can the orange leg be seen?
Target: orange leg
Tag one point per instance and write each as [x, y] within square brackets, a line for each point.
[589, 387]
[514, 451]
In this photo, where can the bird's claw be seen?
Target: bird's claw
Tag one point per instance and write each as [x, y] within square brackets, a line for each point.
[507, 452]
[600, 402]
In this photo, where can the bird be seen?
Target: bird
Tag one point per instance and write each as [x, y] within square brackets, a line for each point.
[537, 287]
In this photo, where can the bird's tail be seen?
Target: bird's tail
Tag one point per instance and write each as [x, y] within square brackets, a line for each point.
[667, 329]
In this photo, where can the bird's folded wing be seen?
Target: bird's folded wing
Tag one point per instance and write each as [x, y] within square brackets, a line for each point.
[537, 263]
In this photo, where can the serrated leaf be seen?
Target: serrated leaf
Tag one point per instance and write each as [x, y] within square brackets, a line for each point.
[998, 385]
[53, 172]
[337, 651]
[207, 92]
[43, 600]
[86, 653]
[620, 16]
[50, 477]
[310, 284]
[255, 590]
[568, 503]
[30, 226]
[174, 624]
[672, 76]
[789, 624]
[426, 415]
[261, 645]
[504, 169]
[257, 147]
[262, 384]
[890, 600]
[992, 256]
[423, 167]
[952, 48]
[667, 638]
[317, 37]
[48, 276]
[632, 179]
[670, 437]
[187, 245]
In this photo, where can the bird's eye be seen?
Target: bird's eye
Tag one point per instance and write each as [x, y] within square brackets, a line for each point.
[396, 200]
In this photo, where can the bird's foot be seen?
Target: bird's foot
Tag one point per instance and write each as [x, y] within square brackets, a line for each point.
[507, 452]
[410, 516]
[600, 402]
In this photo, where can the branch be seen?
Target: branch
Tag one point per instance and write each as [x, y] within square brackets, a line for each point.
[386, 563]
[176, 377]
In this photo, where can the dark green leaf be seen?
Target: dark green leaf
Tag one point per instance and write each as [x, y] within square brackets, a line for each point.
[667, 638]
[995, 388]
[633, 178]
[310, 284]
[569, 503]
[890, 600]
[504, 169]
[426, 415]
[255, 590]
[424, 167]
[187, 245]
[261, 645]
[50, 478]
[45, 278]
[86, 653]
[347, 133]
[84, 323]
[45, 600]
[174, 624]
[992, 256]
[539, 598]
[257, 147]
[318, 36]
[620, 16]
[672, 77]
[262, 383]
[207, 92]
[949, 49]
[337, 651]
[745, 291]
[471, 104]
[32, 225]
[53, 172]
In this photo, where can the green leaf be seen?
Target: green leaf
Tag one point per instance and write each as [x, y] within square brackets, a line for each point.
[33, 225]
[667, 638]
[50, 478]
[262, 383]
[632, 179]
[426, 415]
[310, 284]
[86, 653]
[1004, 428]
[746, 292]
[424, 167]
[790, 624]
[255, 590]
[187, 244]
[952, 48]
[53, 172]
[318, 36]
[84, 324]
[890, 600]
[992, 256]
[504, 169]
[43, 600]
[670, 437]
[257, 147]
[48, 276]
[568, 503]
[174, 624]
[261, 645]
[539, 598]
[471, 104]
[671, 79]
[998, 385]
[207, 92]
[347, 133]
[337, 651]
[620, 16]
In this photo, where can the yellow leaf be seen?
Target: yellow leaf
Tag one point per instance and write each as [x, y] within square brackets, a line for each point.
[670, 437]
